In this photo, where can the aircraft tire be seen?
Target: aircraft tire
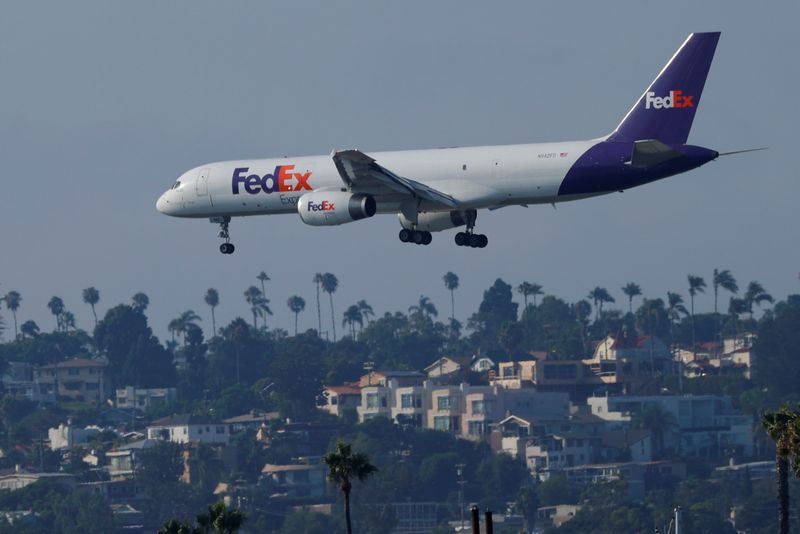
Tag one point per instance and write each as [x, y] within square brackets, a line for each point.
[461, 239]
[426, 238]
[404, 235]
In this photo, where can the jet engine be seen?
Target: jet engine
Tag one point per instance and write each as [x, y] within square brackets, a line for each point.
[438, 221]
[330, 208]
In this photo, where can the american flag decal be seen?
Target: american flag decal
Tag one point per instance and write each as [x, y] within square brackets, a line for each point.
[563, 155]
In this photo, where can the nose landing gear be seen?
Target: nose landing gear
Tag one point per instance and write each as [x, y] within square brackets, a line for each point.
[227, 247]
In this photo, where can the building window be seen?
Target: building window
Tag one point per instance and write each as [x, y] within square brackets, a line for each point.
[73, 372]
[372, 400]
[407, 400]
[220, 430]
[441, 423]
[482, 407]
[476, 428]
[92, 386]
[444, 402]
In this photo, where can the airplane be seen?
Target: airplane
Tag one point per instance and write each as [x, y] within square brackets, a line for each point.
[439, 189]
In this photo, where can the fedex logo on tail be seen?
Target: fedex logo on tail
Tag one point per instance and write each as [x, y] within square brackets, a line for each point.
[281, 180]
[675, 99]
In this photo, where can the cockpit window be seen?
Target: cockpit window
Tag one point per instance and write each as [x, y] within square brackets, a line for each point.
[177, 185]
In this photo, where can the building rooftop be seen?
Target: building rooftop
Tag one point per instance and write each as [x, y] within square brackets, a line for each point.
[184, 419]
[76, 363]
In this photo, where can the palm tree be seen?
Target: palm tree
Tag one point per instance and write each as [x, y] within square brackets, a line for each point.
[725, 280]
[451, 283]
[329, 285]
[780, 426]
[318, 282]
[13, 299]
[675, 309]
[366, 310]
[696, 285]
[756, 294]
[658, 421]
[343, 466]
[631, 290]
[140, 302]
[423, 308]
[263, 277]
[29, 329]
[91, 296]
[352, 316]
[736, 307]
[183, 323]
[57, 308]
[525, 289]
[68, 321]
[253, 296]
[599, 296]
[296, 305]
[212, 299]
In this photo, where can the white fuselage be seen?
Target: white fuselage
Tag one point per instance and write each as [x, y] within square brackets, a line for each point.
[476, 177]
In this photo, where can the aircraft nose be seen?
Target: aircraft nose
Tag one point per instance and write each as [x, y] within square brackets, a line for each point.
[163, 204]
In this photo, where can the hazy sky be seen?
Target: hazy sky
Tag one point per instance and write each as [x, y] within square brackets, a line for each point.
[103, 104]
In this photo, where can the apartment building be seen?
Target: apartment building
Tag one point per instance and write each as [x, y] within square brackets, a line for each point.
[79, 379]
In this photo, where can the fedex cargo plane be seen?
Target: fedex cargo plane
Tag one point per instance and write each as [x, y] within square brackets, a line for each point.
[439, 189]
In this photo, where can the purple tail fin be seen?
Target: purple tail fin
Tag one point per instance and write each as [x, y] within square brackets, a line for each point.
[666, 109]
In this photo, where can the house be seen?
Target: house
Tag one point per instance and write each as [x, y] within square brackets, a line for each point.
[703, 424]
[481, 364]
[142, 398]
[624, 444]
[251, 420]
[67, 436]
[381, 378]
[18, 478]
[556, 515]
[306, 478]
[18, 381]
[78, 379]
[187, 428]
[336, 399]
[446, 365]
[122, 460]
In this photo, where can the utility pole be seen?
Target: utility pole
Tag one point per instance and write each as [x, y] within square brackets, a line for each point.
[678, 520]
[461, 482]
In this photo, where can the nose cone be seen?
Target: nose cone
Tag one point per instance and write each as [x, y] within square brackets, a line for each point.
[166, 205]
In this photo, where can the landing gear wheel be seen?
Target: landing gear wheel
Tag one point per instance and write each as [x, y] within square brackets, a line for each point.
[462, 238]
[418, 237]
[227, 248]
[474, 240]
[405, 235]
[426, 238]
[483, 241]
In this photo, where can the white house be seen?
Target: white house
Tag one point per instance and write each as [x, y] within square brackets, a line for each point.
[142, 398]
[66, 436]
[186, 428]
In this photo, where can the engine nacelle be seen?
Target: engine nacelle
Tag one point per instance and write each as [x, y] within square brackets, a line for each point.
[329, 208]
[438, 221]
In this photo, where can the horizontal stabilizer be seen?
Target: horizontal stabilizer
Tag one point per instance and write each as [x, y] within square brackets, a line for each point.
[651, 152]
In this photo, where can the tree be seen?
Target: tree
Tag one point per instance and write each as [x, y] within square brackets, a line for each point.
[696, 285]
[56, 306]
[366, 310]
[526, 289]
[600, 295]
[140, 302]
[527, 504]
[352, 316]
[221, 519]
[263, 277]
[329, 285]
[212, 299]
[424, 308]
[631, 290]
[181, 324]
[451, 283]
[725, 280]
[675, 309]
[756, 294]
[496, 309]
[658, 421]
[343, 466]
[68, 321]
[254, 297]
[780, 426]
[296, 305]
[13, 299]
[318, 282]
[91, 296]
[29, 329]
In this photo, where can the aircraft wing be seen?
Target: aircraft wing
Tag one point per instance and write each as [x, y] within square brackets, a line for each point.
[361, 172]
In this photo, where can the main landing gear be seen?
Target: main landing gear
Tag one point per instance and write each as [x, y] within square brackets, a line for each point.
[468, 239]
[415, 236]
[224, 222]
